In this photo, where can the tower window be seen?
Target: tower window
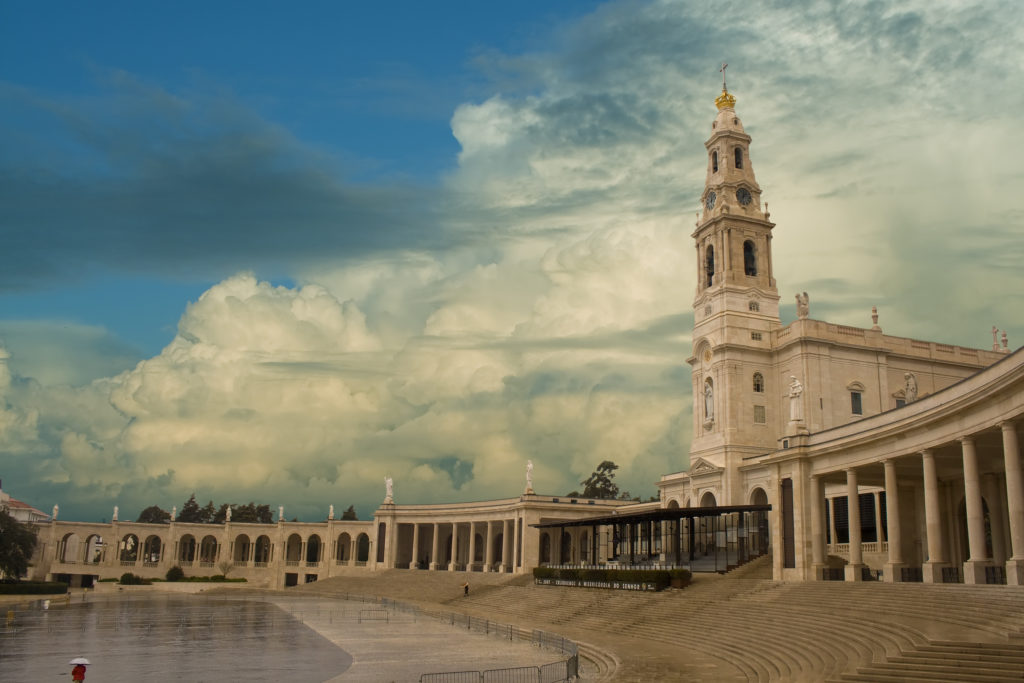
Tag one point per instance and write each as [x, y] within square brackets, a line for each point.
[749, 258]
[739, 157]
[760, 417]
[709, 265]
[856, 404]
[714, 162]
[756, 336]
[754, 306]
[758, 382]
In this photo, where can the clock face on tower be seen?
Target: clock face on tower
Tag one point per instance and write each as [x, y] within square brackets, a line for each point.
[743, 196]
[709, 201]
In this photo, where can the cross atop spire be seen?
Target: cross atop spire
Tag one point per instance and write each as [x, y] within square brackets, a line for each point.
[724, 65]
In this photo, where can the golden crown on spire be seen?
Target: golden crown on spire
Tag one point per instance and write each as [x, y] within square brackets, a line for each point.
[725, 100]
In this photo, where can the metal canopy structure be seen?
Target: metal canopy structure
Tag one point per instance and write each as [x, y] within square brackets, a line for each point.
[707, 539]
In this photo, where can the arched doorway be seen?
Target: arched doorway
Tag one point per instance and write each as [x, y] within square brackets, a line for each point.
[362, 549]
[343, 552]
[242, 547]
[313, 545]
[708, 500]
[261, 556]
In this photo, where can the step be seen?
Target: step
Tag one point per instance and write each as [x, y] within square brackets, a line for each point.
[935, 674]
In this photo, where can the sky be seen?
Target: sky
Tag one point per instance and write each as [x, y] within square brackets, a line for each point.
[275, 254]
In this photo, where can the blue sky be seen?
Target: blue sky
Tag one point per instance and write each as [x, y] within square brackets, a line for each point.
[273, 254]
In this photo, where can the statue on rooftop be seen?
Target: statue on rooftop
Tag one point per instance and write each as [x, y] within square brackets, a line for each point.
[803, 305]
[389, 490]
[909, 387]
[529, 476]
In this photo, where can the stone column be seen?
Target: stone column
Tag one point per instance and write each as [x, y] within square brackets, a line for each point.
[506, 546]
[454, 559]
[1014, 504]
[881, 533]
[853, 569]
[414, 563]
[472, 547]
[517, 550]
[932, 568]
[817, 497]
[974, 568]
[991, 490]
[831, 502]
[435, 548]
[892, 532]
[489, 547]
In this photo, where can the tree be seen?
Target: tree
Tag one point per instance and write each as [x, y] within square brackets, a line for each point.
[154, 514]
[221, 515]
[208, 513]
[190, 512]
[17, 541]
[252, 513]
[350, 514]
[599, 484]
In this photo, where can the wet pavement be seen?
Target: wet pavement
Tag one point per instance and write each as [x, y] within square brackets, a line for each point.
[199, 638]
[164, 637]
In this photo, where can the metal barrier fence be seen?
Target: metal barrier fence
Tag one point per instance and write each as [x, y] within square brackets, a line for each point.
[549, 673]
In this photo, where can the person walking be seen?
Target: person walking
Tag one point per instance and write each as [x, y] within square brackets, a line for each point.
[465, 589]
[78, 673]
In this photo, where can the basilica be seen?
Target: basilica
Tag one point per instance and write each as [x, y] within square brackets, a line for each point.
[843, 452]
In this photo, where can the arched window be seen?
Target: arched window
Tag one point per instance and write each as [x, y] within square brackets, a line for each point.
[754, 306]
[739, 157]
[714, 162]
[749, 258]
[709, 265]
[759, 382]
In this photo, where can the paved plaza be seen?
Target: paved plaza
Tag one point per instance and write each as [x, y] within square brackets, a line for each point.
[272, 638]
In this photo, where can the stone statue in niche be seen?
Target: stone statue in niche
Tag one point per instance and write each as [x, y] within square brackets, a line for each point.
[796, 404]
[803, 305]
[909, 387]
[709, 402]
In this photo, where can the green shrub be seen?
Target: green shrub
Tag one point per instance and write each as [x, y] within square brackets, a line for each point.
[659, 578]
[129, 579]
[175, 573]
[33, 588]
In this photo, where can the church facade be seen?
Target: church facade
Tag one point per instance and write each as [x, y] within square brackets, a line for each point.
[833, 425]
[880, 457]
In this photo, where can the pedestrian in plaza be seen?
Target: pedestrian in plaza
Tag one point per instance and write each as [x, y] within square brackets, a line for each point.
[78, 673]
[465, 589]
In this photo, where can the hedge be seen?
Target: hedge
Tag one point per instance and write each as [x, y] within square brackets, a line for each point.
[661, 578]
[33, 588]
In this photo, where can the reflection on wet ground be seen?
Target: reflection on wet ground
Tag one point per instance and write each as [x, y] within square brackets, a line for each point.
[167, 637]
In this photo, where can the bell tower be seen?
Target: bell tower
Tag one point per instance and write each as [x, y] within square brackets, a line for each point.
[736, 304]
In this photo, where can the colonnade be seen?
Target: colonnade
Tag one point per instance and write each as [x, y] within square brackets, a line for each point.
[488, 545]
[993, 555]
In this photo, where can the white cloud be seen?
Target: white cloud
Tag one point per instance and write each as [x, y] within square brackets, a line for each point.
[555, 328]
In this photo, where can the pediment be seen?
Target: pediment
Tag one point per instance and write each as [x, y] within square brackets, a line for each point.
[701, 466]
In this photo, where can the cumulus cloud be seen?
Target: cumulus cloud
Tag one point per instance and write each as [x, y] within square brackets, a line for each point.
[555, 322]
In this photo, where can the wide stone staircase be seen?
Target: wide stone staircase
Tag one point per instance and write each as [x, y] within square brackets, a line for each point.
[754, 628]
